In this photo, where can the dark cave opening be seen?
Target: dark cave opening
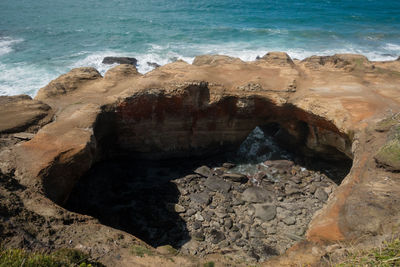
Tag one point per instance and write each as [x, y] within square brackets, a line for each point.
[253, 202]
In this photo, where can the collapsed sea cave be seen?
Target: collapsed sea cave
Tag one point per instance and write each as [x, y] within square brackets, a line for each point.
[250, 201]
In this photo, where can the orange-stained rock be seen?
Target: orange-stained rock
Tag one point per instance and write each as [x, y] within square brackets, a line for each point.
[183, 109]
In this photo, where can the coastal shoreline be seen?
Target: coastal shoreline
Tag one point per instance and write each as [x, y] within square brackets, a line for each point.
[336, 107]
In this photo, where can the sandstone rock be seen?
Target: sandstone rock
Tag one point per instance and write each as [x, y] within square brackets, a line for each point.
[24, 136]
[256, 195]
[214, 60]
[183, 110]
[265, 212]
[120, 60]
[19, 113]
[67, 82]
[121, 72]
[338, 60]
[278, 58]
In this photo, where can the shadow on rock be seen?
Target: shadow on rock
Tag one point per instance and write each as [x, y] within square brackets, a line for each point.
[137, 197]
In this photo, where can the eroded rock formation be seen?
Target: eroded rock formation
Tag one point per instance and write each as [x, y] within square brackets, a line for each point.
[179, 109]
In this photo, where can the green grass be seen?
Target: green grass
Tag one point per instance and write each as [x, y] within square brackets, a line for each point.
[387, 255]
[209, 264]
[62, 257]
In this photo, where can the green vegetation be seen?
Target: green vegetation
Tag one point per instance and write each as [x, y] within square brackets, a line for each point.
[386, 256]
[389, 154]
[209, 264]
[62, 257]
[387, 123]
[140, 251]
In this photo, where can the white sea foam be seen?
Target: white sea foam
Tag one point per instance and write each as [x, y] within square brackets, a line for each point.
[6, 44]
[94, 60]
[392, 47]
[163, 54]
[26, 78]
[23, 79]
[20, 78]
[153, 56]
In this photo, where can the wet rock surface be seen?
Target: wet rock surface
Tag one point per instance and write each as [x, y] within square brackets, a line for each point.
[202, 210]
[119, 60]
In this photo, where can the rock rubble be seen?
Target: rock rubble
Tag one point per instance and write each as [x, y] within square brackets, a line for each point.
[257, 220]
[209, 210]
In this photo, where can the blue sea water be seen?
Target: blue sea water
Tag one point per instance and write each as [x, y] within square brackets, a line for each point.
[42, 39]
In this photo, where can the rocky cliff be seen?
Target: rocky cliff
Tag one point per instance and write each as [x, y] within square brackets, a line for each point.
[324, 104]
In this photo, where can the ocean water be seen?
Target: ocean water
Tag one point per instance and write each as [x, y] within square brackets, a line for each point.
[41, 39]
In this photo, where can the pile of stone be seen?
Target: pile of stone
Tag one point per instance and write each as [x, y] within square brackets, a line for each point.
[249, 217]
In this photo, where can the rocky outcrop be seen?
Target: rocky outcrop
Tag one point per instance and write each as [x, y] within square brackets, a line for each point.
[278, 58]
[21, 113]
[68, 82]
[120, 60]
[153, 64]
[119, 72]
[324, 104]
[214, 60]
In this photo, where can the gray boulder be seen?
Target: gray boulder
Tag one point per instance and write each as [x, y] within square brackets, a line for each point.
[120, 60]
